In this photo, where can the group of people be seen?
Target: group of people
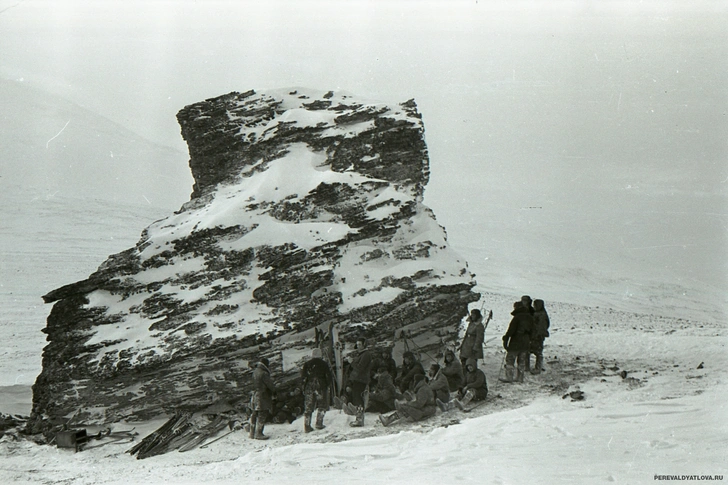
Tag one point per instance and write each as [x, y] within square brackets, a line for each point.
[525, 336]
[374, 383]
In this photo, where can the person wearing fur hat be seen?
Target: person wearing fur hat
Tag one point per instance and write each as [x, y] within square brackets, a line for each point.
[517, 342]
[421, 407]
[453, 371]
[410, 368]
[540, 331]
[262, 403]
[317, 382]
[472, 345]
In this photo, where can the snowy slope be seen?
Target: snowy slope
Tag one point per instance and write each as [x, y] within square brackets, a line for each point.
[53, 147]
[666, 417]
[44, 243]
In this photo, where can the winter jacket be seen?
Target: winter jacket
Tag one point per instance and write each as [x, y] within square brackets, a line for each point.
[423, 405]
[453, 371]
[541, 324]
[361, 367]
[384, 391]
[263, 389]
[476, 381]
[518, 336]
[317, 369]
[408, 374]
[472, 345]
[440, 386]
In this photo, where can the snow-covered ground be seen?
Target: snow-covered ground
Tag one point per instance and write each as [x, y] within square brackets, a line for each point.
[666, 417]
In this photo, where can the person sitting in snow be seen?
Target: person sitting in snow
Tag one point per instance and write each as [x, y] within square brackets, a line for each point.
[421, 407]
[517, 342]
[475, 388]
[317, 382]
[410, 368]
[539, 333]
[262, 402]
[389, 362]
[381, 400]
[453, 371]
[438, 383]
[472, 345]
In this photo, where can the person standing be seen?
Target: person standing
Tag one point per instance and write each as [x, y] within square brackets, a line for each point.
[263, 391]
[517, 341]
[540, 331]
[472, 345]
[361, 368]
[317, 383]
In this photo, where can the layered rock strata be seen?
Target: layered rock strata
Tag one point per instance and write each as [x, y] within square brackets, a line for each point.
[307, 210]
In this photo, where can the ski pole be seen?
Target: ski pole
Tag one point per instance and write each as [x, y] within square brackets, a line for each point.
[500, 370]
[218, 439]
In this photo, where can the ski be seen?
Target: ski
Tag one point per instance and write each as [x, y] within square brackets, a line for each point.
[211, 429]
[467, 410]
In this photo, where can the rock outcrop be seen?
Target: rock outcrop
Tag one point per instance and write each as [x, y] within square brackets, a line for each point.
[307, 210]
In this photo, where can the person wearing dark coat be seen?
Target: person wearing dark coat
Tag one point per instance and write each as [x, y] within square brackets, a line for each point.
[317, 383]
[453, 371]
[475, 388]
[472, 345]
[540, 331]
[361, 368]
[381, 400]
[438, 383]
[410, 368]
[389, 363]
[517, 342]
[262, 404]
[421, 407]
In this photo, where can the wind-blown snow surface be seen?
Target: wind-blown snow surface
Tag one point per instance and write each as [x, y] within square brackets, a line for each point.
[667, 417]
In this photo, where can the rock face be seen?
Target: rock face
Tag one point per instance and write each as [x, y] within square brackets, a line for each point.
[307, 210]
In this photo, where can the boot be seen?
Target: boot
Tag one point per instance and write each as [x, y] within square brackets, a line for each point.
[461, 403]
[445, 406]
[359, 421]
[259, 426]
[320, 419]
[388, 419]
[307, 423]
[519, 376]
[508, 374]
[350, 409]
[539, 364]
[251, 427]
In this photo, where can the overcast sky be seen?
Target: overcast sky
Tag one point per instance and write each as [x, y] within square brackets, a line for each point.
[544, 104]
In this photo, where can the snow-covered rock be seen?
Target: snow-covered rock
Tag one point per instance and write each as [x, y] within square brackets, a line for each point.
[307, 210]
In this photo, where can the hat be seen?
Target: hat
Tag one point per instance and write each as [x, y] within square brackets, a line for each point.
[317, 354]
[264, 361]
[472, 362]
[409, 355]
